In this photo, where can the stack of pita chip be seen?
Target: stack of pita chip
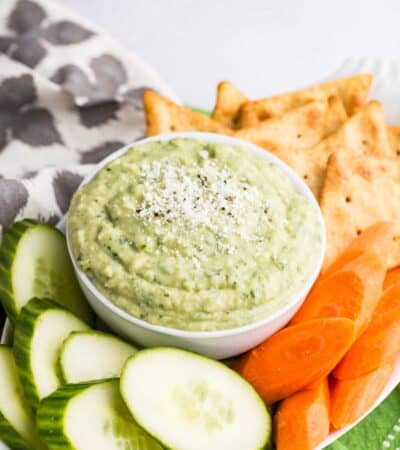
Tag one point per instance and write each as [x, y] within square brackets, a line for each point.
[330, 134]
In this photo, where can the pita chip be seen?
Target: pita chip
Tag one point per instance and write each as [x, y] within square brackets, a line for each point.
[164, 116]
[298, 129]
[228, 103]
[353, 91]
[363, 133]
[355, 196]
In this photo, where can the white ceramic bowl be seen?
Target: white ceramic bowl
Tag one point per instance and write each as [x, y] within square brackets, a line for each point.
[217, 344]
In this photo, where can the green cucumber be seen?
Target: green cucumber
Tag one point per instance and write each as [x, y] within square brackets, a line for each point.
[34, 262]
[187, 401]
[17, 423]
[40, 330]
[92, 355]
[90, 416]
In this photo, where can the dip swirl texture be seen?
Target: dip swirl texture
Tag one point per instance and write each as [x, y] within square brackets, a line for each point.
[194, 236]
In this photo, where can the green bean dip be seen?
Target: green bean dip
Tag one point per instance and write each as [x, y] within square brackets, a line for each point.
[194, 235]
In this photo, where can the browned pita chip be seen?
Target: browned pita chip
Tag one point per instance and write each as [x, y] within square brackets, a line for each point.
[394, 137]
[228, 103]
[353, 91]
[358, 192]
[363, 133]
[164, 116]
[298, 129]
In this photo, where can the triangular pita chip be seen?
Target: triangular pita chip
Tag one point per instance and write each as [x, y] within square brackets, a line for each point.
[228, 103]
[363, 133]
[353, 91]
[358, 192]
[298, 129]
[164, 116]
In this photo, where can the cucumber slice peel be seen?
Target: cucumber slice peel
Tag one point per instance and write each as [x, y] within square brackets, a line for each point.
[187, 401]
[17, 423]
[92, 355]
[40, 330]
[34, 262]
[62, 419]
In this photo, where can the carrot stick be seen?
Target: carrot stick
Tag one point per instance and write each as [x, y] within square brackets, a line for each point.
[381, 341]
[352, 292]
[296, 356]
[350, 399]
[302, 420]
[388, 308]
[392, 277]
[376, 239]
[370, 352]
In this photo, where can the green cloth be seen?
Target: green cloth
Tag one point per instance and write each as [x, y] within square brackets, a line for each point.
[379, 430]
[206, 113]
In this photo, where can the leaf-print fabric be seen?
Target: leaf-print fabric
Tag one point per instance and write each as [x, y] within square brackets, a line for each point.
[57, 110]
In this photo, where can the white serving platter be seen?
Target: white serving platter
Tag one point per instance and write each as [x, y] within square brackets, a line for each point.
[6, 338]
[386, 88]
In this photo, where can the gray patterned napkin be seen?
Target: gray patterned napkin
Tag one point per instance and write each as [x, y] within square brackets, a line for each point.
[69, 96]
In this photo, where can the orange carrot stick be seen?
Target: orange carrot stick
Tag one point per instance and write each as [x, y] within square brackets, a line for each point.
[376, 239]
[388, 308]
[352, 292]
[381, 341]
[370, 352]
[302, 420]
[296, 356]
[392, 277]
[350, 399]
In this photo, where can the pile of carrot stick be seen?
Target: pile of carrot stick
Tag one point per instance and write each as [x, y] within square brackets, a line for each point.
[331, 363]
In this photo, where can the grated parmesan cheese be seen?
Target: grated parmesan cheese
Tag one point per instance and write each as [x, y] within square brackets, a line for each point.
[213, 198]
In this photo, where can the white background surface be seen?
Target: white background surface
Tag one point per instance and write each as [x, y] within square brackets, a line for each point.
[264, 46]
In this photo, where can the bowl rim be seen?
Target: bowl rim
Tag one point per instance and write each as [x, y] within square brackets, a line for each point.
[297, 297]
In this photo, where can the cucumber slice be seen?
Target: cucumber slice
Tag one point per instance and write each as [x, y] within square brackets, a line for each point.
[90, 416]
[40, 330]
[190, 402]
[17, 423]
[34, 262]
[92, 355]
